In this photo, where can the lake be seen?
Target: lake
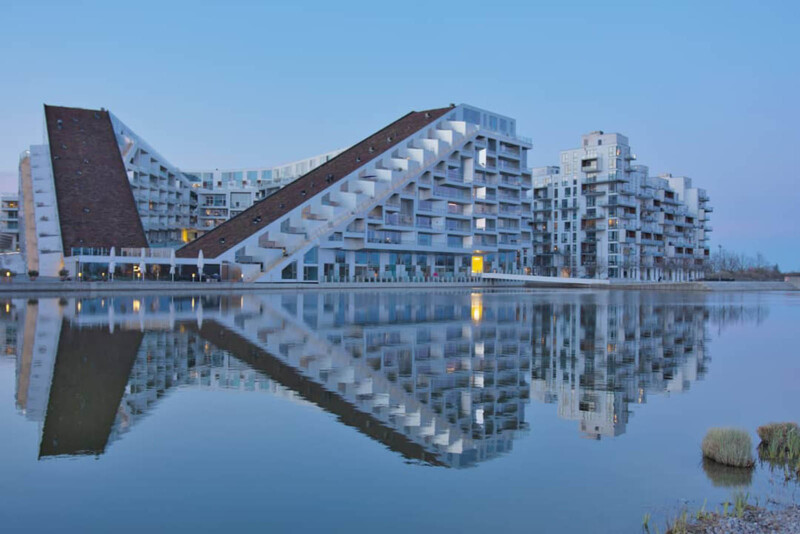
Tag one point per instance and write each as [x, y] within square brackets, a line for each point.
[385, 410]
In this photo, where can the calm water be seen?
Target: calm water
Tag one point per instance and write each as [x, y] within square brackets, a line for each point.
[442, 410]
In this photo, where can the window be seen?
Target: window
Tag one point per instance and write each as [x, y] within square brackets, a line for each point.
[472, 116]
[310, 273]
[310, 256]
[289, 272]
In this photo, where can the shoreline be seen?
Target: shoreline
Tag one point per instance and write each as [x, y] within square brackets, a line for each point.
[56, 286]
[754, 519]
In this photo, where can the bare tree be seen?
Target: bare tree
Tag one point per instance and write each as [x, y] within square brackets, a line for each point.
[596, 269]
[730, 264]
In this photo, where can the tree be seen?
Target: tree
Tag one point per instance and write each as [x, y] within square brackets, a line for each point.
[596, 269]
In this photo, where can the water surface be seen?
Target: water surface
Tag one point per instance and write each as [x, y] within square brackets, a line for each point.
[538, 411]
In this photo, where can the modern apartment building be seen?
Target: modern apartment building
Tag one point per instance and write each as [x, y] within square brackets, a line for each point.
[265, 180]
[177, 207]
[222, 194]
[83, 161]
[9, 222]
[442, 194]
[78, 192]
[601, 215]
[436, 194]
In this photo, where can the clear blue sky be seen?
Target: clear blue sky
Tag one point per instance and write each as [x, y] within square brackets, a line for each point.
[706, 89]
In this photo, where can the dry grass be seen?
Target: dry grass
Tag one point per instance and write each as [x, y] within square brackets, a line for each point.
[728, 446]
[776, 431]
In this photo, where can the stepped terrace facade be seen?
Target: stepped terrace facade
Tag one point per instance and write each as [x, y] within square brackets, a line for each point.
[442, 193]
[438, 195]
[95, 184]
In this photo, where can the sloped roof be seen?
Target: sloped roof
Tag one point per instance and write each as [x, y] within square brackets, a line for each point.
[96, 207]
[232, 232]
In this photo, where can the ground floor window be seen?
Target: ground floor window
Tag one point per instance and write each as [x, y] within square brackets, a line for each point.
[289, 272]
[310, 273]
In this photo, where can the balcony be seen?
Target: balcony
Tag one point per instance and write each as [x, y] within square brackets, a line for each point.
[485, 228]
[503, 195]
[509, 210]
[457, 194]
[455, 175]
[508, 240]
[512, 181]
[592, 192]
[509, 165]
[457, 226]
[398, 219]
[385, 238]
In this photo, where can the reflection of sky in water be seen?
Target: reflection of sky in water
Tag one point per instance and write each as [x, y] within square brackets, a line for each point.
[444, 378]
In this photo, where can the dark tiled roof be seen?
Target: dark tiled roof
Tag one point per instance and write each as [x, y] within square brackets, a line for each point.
[96, 207]
[234, 231]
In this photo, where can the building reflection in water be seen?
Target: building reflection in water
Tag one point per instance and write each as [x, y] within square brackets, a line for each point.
[443, 378]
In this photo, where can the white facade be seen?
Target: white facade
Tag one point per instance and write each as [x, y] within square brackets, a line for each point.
[263, 180]
[447, 202]
[40, 230]
[453, 200]
[163, 195]
[9, 222]
[176, 207]
[601, 216]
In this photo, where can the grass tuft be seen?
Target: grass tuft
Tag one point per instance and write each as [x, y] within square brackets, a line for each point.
[740, 503]
[679, 525]
[776, 431]
[728, 446]
[780, 447]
